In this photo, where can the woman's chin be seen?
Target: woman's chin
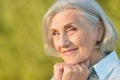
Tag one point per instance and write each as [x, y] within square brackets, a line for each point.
[72, 62]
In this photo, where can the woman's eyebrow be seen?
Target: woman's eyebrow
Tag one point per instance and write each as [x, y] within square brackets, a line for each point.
[52, 30]
[68, 25]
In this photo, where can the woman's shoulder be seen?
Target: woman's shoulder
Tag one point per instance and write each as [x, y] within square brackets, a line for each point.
[117, 69]
[115, 74]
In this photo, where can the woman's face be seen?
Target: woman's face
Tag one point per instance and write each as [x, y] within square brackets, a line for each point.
[73, 37]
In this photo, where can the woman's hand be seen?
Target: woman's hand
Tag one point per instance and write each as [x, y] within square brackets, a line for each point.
[63, 71]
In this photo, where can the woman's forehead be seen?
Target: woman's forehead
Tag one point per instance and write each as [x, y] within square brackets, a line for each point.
[65, 17]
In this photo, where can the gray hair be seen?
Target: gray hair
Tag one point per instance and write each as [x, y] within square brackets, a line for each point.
[91, 11]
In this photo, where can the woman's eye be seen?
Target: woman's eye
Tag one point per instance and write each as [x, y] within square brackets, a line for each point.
[72, 29]
[55, 33]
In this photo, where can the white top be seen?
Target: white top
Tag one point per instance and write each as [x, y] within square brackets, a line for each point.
[109, 67]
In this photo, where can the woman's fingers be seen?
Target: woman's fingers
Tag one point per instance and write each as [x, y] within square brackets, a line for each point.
[68, 71]
[84, 72]
[58, 71]
[63, 71]
[75, 72]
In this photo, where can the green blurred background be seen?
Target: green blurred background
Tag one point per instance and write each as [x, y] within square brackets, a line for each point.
[22, 55]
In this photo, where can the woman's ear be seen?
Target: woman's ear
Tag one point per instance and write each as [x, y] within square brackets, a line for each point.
[100, 30]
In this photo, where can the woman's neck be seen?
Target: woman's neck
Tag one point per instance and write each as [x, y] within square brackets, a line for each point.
[96, 57]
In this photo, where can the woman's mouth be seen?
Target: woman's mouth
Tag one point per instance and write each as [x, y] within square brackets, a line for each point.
[70, 52]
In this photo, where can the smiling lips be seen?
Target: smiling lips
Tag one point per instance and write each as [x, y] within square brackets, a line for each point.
[70, 52]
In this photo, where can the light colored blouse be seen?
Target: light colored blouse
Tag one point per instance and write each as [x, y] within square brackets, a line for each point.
[108, 68]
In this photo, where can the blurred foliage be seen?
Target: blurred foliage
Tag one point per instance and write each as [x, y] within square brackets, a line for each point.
[22, 54]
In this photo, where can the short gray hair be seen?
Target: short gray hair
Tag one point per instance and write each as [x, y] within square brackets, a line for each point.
[91, 11]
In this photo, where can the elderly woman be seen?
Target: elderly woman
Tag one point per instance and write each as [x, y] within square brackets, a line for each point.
[82, 35]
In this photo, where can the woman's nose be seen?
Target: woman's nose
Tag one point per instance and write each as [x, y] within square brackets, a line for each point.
[64, 41]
